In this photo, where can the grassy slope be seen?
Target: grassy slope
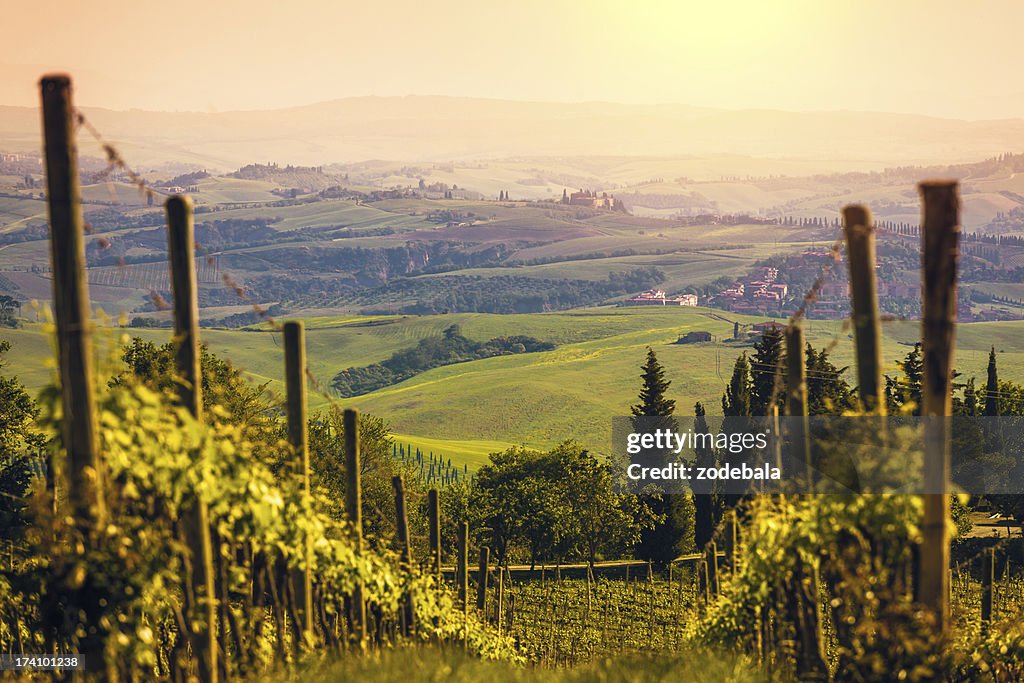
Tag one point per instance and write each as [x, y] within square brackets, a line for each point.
[469, 409]
[330, 213]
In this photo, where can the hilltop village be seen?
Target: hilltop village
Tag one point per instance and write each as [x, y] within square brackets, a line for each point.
[778, 289]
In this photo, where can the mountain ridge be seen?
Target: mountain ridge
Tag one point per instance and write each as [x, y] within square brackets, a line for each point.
[448, 128]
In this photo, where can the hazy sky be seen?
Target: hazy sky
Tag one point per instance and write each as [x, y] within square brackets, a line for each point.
[935, 57]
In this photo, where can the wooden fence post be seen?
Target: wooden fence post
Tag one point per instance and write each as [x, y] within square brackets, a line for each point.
[501, 595]
[434, 514]
[71, 303]
[181, 251]
[74, 335]
[940, 236]
[796, 396]
[481, 585]
[295, 387]
[988, 580]
[402, 524]
[712, 562]
[860, 252]
[463, 576]
[354, 510]
[462, 572]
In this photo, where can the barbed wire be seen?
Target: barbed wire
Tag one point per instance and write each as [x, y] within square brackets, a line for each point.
[117, 161]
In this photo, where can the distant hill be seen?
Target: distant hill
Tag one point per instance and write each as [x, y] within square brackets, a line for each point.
[419, 128]
[307, 178]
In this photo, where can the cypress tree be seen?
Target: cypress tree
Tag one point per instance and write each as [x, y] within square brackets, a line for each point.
[736, 400]
[737, 406]
[674, 533]
[992, 387]
[766, 367]
[653, 402]
[704, 504]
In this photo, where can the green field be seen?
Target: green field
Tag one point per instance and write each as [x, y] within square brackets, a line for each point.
[324, 214]
[468, 410]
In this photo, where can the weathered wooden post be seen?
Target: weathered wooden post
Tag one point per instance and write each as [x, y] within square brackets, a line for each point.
[71, 304]
[796, 397]
[860, 252]
[501, 595]
[295, 387]
[711, 563]
[354, 510]
[402, 524]
[181, 250]
[181, 253]
[462, 572]
[988, 580]
[940, 232]
[74, 335]
[481, 585]
[434, 515]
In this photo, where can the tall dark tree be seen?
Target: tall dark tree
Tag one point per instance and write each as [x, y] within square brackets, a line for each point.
[992, 386]
[736, 402]
[828, 393]
[767, 373]
[903, 391]
[673, 533]
[653, 402]
[706, 506]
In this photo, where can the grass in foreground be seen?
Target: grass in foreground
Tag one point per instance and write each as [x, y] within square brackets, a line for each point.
[413, 665]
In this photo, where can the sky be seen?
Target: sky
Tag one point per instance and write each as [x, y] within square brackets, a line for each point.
[933, 57]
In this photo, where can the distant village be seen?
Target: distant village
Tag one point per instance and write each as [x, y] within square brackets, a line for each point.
[776, 291]
[657, 297]
[768, 291]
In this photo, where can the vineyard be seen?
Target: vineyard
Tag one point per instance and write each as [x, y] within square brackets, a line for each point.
[175, 523]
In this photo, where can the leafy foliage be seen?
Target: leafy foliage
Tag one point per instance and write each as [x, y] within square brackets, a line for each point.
[128, 580]
[21, 451]
[557, 505]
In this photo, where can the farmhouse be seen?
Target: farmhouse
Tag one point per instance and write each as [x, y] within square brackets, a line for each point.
[695, 337]
[591, 200]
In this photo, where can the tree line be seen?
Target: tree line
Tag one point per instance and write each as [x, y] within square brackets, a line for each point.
[433, 352]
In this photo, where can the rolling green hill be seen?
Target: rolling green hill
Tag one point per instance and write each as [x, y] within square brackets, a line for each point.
[470, 409]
